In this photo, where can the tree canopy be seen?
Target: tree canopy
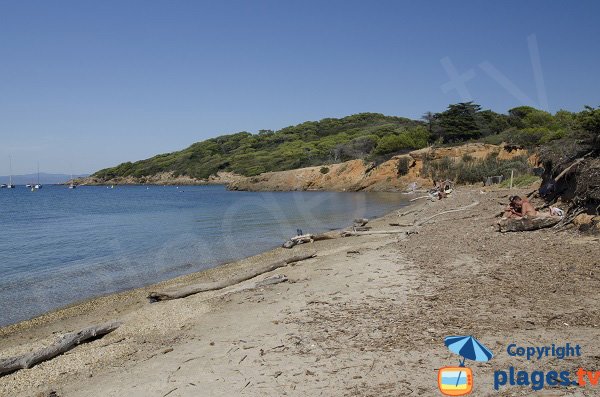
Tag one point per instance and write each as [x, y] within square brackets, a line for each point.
[369, 136]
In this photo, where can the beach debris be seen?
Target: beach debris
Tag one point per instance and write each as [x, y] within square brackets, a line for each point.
[347, 233]
[244, 275]
[401, 214]
[360, 222]
[306, 238]
[275, 279]
[299, 239]
[429, 196]
[170, 391]
[465, 208]
[62, 345]
[527, 223]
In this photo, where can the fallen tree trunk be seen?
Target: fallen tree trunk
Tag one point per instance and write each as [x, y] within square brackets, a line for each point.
[527, 223]
[566, 170]
[247, 274]
[320, 237]
[466, 207]
[305, 238]
[62, 345]
[347, 233]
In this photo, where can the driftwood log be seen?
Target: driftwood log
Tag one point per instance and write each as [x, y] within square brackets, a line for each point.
[271, 280]
[527, 223]
[246, 274]
[465, 208]
[347, 233]
[62, 345]
[306, 238]
[302, 239]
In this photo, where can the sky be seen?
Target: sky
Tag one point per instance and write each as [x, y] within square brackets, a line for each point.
[86, 85]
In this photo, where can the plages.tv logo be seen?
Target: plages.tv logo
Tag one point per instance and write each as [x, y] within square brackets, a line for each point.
[458, 381]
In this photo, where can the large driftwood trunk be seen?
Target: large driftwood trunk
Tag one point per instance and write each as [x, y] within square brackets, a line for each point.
[465, 208]
[348, 233]
[62, 345]
[527, 223]
[247, 274]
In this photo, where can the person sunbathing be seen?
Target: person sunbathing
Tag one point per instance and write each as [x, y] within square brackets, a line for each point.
[518, 208]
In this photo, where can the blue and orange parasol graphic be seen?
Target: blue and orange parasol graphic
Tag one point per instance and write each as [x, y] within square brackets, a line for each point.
[469, 348]
[458, 381]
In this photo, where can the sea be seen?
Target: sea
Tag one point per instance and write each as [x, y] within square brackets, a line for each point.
[59, 246]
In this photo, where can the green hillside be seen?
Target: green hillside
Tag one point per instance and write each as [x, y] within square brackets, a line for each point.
[370, 136]
[306, 144]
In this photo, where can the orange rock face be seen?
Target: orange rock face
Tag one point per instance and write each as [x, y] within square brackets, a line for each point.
[359, 175]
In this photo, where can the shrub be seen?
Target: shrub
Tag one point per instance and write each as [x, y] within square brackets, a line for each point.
[520, 181]
[475, 171]
[324, 170]
[403, 165]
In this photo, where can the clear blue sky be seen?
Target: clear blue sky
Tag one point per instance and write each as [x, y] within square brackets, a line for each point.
[89, 84]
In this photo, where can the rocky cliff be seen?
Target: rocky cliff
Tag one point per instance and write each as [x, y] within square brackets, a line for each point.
[359, 175]
[355, 175]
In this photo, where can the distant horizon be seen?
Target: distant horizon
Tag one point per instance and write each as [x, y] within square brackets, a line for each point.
[45, 178]
[87, 86]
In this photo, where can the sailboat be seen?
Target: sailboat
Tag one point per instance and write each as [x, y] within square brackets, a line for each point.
[10, 184]
[38, 185]
[72, 185]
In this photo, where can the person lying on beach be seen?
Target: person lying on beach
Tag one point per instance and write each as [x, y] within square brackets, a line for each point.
[519, 208]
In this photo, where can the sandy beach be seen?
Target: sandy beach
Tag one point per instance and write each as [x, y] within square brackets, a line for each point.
[366, 317]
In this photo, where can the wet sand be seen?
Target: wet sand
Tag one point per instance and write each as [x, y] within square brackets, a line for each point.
[366, 317]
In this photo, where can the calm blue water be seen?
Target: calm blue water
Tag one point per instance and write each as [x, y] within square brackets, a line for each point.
[59, 246]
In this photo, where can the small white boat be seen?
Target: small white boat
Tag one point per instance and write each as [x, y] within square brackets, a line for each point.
[72, 185]
[10, 184]
[28, 185]
[38, 185]
[3, 186]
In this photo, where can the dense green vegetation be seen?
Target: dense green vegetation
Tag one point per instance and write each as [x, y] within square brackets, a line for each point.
[470, 170]
[307, 144]
[370, 136]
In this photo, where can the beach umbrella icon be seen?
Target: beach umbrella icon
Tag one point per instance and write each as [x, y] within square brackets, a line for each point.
[469, 348]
